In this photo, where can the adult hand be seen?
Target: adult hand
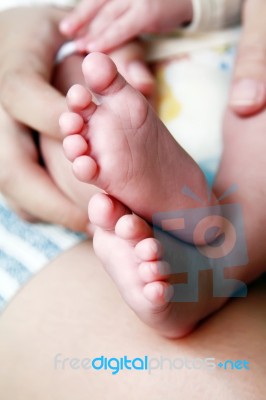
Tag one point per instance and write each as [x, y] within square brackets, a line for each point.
[248, 95]
[29, 41]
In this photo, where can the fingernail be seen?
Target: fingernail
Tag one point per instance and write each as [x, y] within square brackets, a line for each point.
[247, 92]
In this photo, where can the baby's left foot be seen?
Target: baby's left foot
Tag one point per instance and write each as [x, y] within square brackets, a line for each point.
[122, 147]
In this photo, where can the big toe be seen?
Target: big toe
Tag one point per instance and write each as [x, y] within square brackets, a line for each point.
[101, 74]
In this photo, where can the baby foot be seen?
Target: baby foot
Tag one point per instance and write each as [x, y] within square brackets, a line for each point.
[160, 292]
[133, 258]
[122, 147]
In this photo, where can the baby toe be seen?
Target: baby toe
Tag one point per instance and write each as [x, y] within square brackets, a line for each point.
[70, 123]
[85, 169]
[132, 228]
[149, 249]
[74, 146]
[151, 271]
[78, 98]
[105, 211]
[158, 293]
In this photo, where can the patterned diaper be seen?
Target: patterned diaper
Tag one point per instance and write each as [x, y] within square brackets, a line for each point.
[191, 99]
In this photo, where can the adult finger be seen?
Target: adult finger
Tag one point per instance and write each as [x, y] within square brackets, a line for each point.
[27, 66]
[248, 94]
[38, 196]
[30, 99]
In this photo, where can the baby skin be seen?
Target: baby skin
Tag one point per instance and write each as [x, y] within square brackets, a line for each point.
[120, 146]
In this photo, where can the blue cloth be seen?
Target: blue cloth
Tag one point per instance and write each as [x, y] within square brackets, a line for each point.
[26, 248]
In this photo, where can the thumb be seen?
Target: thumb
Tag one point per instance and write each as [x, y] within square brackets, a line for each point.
[248, 94]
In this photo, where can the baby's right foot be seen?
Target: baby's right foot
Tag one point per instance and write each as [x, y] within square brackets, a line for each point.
[132, 257]
[135, 261]
[123, 148]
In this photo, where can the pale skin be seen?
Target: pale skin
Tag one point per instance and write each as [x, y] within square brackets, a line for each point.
[29, 42]
[92, 162]
[73, 308]
[114, 221]
[27, 57]
[156, 295]
[121, 147]
[56, 323]
[138, 240]
[101, 25]
[29, 81]
[129, 59]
